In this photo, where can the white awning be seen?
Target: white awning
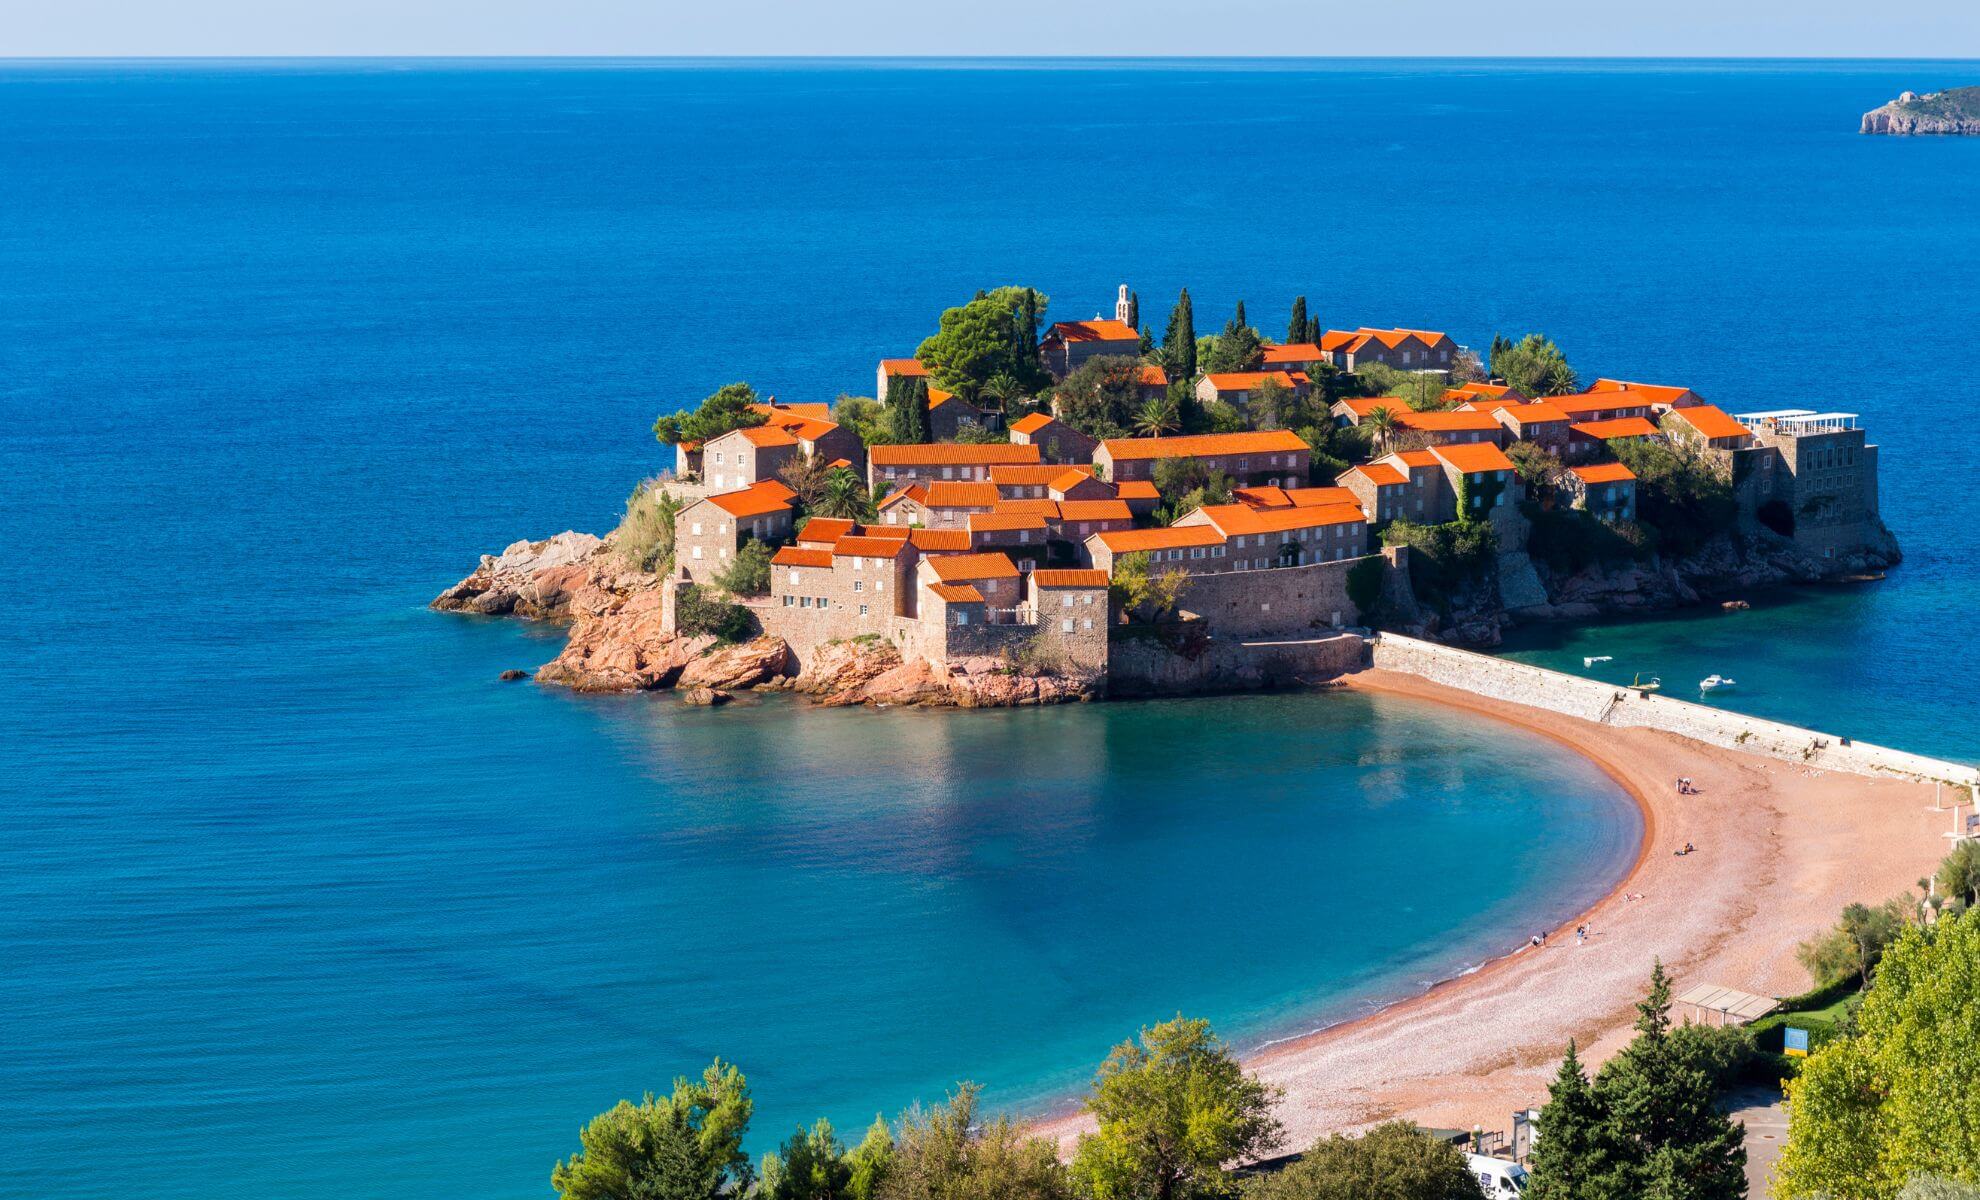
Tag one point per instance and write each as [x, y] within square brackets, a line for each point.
[1730, 1004]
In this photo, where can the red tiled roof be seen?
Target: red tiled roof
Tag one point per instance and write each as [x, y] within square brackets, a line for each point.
[1094, 510]
[961, 493]
[1380, 474]
[1262, 497]
[869, 547]
[903, 366]
[995, 522]
[1336, 339]
[766, 496]
[1416, 458]
[893, 533]
[1244, 381]
[1620, 427]
[957, 593]
[1032, 423]
[1137, 489]
[1234, 519]
[1199, 445]
[1030, 474]
[1361, 406]
[801, 556]
[1473, 458]
[763, 435]
[1152, 376]
[1448, 422]
[934, 541]
[825, 530]
[1070, 477]
[1537, 413]
[1078, 579]
[973, 566]
[1652, 392]
[951, 454]
[1033, 508]
[913, 491]
[1127, 541]
[1484, 391]
[1584, 403]
[1711, 421]
[1604, 473]
[1312, 497]
[1094, 331]
[1294, 352]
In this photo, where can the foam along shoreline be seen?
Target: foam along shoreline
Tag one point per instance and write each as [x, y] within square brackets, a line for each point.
[1781, 847]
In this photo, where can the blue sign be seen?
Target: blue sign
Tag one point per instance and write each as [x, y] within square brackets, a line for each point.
[1795, 1041]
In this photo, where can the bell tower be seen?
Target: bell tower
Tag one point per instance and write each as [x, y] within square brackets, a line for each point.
[1122, 311]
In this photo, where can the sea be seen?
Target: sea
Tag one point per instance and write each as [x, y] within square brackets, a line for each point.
[297, 899]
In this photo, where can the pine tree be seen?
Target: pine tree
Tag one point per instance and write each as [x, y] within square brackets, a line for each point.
[1670, 1140]
[1296, 328]
[1569, 1158]
[1179, 344]
[907, 409]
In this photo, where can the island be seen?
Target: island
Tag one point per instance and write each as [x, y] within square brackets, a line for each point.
[1955, 110]
[1031, 513]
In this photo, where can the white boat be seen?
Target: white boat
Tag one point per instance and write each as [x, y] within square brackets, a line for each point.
[1640, 684]
[1713, 683]
[1592, 659]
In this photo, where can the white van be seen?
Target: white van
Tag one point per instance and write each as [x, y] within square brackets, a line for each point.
[1499, 1178]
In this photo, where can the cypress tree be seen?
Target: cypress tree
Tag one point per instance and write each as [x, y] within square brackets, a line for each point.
[1179, 346]
[1569, 1156]
[1296, 328]
[907, 409]
[1238, 319]
[1134, 309]
[1024, 350]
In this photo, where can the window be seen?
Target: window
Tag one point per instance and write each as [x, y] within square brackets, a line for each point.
[1087, 599]
[1086, 623]
[789, 600]
[1065, 602]
[1216, 552]
[718, 458]
[695, 529]
[823, 602]
[862, 610]
[879, 585]
[1066, 626]
[697, 552]
[962, 616]
[804, 602]
[859, 585]
[857, 562]
[948, 472]
[1175, 556]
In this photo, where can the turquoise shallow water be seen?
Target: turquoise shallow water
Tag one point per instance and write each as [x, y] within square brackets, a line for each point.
[297, 900]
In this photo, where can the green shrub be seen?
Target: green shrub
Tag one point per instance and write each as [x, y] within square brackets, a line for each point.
[1444, 558]
[748, 573]
[702, 613]
[645, 536]
[1684, 495]
[1569, 539]
[1364, 588]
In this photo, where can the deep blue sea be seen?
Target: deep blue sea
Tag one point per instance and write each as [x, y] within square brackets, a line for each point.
[296, 900]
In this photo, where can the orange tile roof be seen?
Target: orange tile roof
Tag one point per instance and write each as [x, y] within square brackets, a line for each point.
[1361, 406]
[1029, 474]
[893, 533]
[1711, 421]
[961, 493]
[1312, 497]
[994, 522]
[1152, 376]
[1032, 423]
[801, 556]
[1234, 519]
[869, 547]
[1335, 339]
[1537, 413]
[1094, 510]
[1583, 403]
[1070, 477]
[973, 566]
[934, 541]
[1293, 352]
[816, 412]
[765, 496]
[1604, 473]
[1474, 457]
[1620, 427]
[1078, 579]
[1034, 508]
[1484, 404]
[1380, 474]
[1244, 381]
[825, 530]
[1127, 541]
[1416, 458]
[951, 454]
[957, 593]
[1202, 444]
[1448, 422]
[1262, 497]
[903, 366]
[764, 435]
[913, 491]
[1655, 393]
[1095, 331]
[806, 422]
[1484, 391]
[1137, 489]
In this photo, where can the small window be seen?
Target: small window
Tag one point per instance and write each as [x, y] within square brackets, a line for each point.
[697, 552]
[695, 528]
[1066, 626]
[859, 585]
[789, 600]
[862, 610]
[804, 602]
[962, 617]
[1065, 602]
[823, 602]
[1086, 623]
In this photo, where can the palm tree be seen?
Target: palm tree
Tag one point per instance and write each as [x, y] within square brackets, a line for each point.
[1005, 389]
[1383, 422]
[1156, 418]
[844, 496]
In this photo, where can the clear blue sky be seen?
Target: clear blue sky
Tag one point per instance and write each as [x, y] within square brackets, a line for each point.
[1778, 28]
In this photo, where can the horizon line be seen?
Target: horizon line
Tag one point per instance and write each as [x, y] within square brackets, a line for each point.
[965, 57]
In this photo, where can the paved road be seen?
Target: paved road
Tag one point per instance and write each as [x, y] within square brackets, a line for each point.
[1765, 1118]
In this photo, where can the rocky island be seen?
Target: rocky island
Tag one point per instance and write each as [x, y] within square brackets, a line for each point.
[1126, 520]
[1955, 110]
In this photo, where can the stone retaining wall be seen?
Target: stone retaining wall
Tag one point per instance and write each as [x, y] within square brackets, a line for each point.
[1145, 667]
[1607, 704]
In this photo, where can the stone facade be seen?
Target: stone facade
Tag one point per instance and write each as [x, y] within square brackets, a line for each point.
[735, 460]
[1279, 600]
[706, 537]
[1822, 482]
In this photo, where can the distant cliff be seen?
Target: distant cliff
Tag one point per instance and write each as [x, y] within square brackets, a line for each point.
[1955, 110]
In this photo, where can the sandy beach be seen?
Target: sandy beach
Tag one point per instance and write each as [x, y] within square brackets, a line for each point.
[1780, 849]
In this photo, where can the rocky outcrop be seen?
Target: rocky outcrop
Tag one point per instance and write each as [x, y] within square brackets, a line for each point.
[871, 671]
[732, 668]
[528, 579]
[1954, 111]
[616, 642]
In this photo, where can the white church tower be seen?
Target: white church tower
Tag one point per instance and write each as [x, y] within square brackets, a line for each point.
[1121, 311]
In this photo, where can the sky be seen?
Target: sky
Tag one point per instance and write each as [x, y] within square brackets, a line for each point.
[1628, 28]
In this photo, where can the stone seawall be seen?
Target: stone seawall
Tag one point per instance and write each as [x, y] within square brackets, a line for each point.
[1140, 667]
[1607, 704]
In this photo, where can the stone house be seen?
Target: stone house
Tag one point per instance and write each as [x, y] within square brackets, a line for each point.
[1811, 475]
[742, 457]
[1706, 427]
[1071, 608]
[1033, 482]
[905, 506]
[1380, 488]
[865, 580]
[1478, 477]
[1607, 490]
[1451, 428]
[708, 531]
[1077, 484]
[1276, 456]
[1151, 384]
[1539, 422]
[889, 468]
[1068, 344]
[1235, 388]
[994, 577]
[1194, 549]
[1403, 349]
[1589, 440]
[1484, 397]
[1263, 539]
[948, 504]
[1057, 441]
[1425, 497]
[1293, 356]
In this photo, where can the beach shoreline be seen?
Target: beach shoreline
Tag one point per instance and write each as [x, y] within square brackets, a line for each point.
[1781, 848]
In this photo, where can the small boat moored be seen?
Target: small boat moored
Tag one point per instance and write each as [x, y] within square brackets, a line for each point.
[1592, 659]
[1714, 683]
[1645, 685]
